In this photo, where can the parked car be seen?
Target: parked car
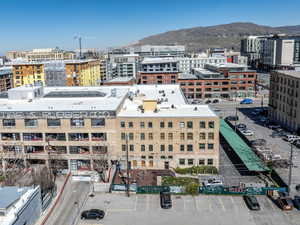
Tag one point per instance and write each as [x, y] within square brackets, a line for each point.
[259, 142]
[296, 202]
[241, 126]
[213, 182]
[274, 126]
[208, 102]
[263, 119]
[251, 202]
[165, 200]
[291, 138]
[216, 101]
[296, 143]
[247, 101]
[254, 113]
[232, 118]
[92, 214]
[247, 132]
[285, 203]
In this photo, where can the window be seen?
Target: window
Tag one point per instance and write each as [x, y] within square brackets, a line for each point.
[190, 161]
[162, 157]
[143, 157]
[190, 136]
[150, 148]
[202, 124]
[31, 122]
[202, 136]
[142, 124]
[123, 148]
[130, 124]
[181, 161]
[170, 157]
[77, 122]
[189, 148]
[9, 122]
[210, 161]
[170, 124]
[150, 157]
[150, 125]
[211, 136]
[201, 146]
[150, 136]
[98, 122]
[162, 124]
[201, 161]
[142, 136]
[211, 124]
[170, 148]
[142, 148]
[122, 124]
[53, 122]
[210, 146]
[131, 148]
[130, 136]
[189, 124]
[181, 124]
[170, 136]
[162, 136]
[182, 148]
[162, 148]
[123, 136]
[181, 136]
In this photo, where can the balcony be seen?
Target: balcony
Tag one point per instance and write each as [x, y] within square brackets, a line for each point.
[58, 149]
[99, 149]
[10, 137]
[98, 136]
[34, 149]
[79, 150]
[32, 137]
[78, 137]
[55, 136]
[12, 149]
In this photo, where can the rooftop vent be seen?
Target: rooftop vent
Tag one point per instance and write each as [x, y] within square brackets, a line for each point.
[195, 109]
[155, 110]
[173, 106]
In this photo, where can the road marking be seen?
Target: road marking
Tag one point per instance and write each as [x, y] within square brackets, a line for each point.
[209, 204]
[147, 202]
[222, 204]
[196, 203]
[135, 202]
[183, 205]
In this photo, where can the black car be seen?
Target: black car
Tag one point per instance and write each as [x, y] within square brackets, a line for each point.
[165, 200]
[232, 118]
[208, 102]
[258, 142]
[215, 101]
[241, 126]
[251, 202]
[296, 202]
[297, 143]
[92, 214]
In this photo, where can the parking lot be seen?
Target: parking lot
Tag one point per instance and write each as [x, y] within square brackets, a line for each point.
[202, 209]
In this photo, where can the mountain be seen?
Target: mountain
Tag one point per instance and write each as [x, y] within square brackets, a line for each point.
[220, 36]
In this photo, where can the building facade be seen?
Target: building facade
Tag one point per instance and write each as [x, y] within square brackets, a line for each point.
[186, 64]
[159, 71]
[77, 128]
[25, 73]
[225, 80]
[160, 50]
[6, 78]
[284, 98]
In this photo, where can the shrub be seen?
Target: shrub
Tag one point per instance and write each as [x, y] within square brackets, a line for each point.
[192, 188]
[197, 170]
[178, 181]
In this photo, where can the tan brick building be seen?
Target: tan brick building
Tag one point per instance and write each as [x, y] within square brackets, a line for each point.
[80, 127]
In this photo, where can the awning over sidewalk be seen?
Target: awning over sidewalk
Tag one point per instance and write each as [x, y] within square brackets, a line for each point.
[244, 152]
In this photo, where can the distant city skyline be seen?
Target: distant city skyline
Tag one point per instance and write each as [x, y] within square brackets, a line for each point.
[32, 24]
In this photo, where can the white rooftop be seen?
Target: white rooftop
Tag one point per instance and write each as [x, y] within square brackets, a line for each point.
[119, 79]
[158, 60]
[227, 65]
[292, 73]
[173, 104]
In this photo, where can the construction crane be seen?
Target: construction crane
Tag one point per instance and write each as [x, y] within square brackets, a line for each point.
[79, 40]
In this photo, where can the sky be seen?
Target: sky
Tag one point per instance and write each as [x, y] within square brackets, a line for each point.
[27, 24]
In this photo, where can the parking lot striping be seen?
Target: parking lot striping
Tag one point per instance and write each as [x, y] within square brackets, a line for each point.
[223, 207]
[147, 202]
[135, 203]
[196, 203]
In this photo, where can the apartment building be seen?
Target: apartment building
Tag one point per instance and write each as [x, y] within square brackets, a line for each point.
[186, 64]
[160, 50]
[225, 80]
[6, 76]
[28, 73]
[284, 98]
[159, 71]
[76, 128]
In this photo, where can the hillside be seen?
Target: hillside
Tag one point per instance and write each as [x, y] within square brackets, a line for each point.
[220, 36]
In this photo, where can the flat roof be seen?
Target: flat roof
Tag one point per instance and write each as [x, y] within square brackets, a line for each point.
[292, 73]
[227, 65]
[119, 79]
[158, 60]
[172, 103]
[244, 152]
[187, 76]
[8, 195]
[205, 71]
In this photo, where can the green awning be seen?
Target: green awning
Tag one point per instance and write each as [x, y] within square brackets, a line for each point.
[245, 153]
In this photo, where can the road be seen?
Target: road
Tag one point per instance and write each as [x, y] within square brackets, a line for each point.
[66, 210]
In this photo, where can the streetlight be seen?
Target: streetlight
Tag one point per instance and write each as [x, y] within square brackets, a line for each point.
[290, 169]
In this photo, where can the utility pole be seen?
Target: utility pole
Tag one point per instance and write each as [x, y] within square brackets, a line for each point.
[290, 169]
[262, 101]
[236, 114]
[127, 166]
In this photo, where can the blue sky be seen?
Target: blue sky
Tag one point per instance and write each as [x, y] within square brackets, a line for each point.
[27, 24]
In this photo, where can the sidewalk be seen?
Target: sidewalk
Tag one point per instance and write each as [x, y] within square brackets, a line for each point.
[60, 183]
